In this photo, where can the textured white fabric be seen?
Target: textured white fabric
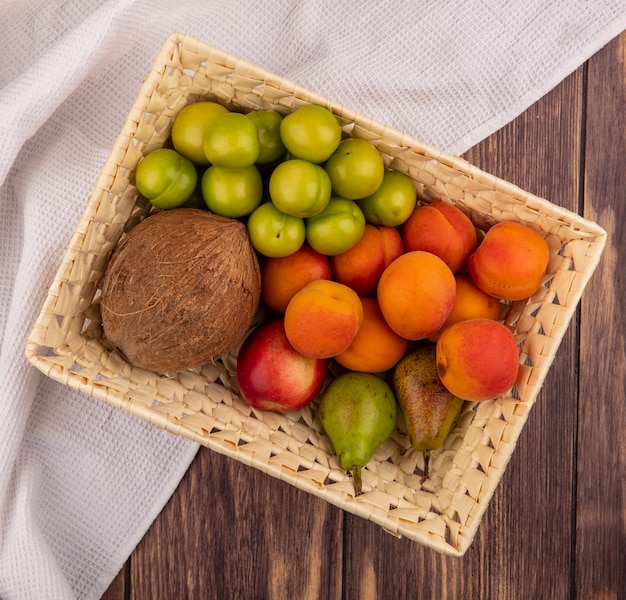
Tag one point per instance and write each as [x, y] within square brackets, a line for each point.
[80, 482]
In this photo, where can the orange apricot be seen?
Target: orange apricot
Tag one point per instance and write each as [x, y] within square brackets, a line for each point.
[361, 266]
[510, 262]
[470, 303]
[392, 243]
[477, 359]
[322, 319]
[375, 347]
[416, 293]
[283, 277]
[442, 229]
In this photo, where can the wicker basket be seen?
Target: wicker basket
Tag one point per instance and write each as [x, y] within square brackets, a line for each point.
[66, 341]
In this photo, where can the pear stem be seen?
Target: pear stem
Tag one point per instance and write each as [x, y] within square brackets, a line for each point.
[356, 475]
[426, 454]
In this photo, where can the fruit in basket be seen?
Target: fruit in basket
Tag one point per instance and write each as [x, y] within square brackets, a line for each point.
[429, 410]
[442, 229]
[272, 375]
[188, 129]
[376, 347]
[336, 228]
[311, 132]
[322, 319]
[282, 277]
[510, 262]
[166, 178]
[416, 293]
[231, 140]
[274, 233]
[299, 188]
[361, 266]
[181, 289]
[356, 169]
[392, 203]
[478, 359]
[232, 192]
[470, 303]
[358, 412]
[267, 123]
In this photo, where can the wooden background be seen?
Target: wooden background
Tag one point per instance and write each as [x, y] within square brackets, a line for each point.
[556, 526]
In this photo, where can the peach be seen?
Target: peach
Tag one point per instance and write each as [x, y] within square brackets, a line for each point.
[283, 277]
[376, 347]
[510, 262]
[322, 319]
[416, 293]
[442, 229]
[470, 303]
[477, 359]
[361, 266]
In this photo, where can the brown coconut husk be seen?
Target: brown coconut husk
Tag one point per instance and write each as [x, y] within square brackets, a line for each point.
[181, 290]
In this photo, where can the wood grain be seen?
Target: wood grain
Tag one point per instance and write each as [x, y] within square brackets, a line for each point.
[228, 533]
[556, 525]
[601, 445]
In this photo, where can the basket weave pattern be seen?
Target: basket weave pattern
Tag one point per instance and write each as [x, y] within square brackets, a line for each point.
[202, 404]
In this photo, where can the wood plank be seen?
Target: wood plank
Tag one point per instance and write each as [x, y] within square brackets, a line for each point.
[117, 589]
[530, 513]
[231, 531]
[600, 476]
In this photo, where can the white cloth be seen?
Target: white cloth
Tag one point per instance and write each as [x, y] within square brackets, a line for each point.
[80, 481]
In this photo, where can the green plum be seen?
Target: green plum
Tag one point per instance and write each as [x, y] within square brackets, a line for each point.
[231, 140]
[274, 233]
[311, 132]
[356, 169]
[166, 178]
[188, 129]
[336, 228]
[392, 203]
[267, 123]
[232, 192]
[299, 188]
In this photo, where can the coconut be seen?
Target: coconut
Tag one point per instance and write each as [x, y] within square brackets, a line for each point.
[181, 290]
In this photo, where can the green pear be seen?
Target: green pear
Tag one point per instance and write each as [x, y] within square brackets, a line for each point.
[358, 412]
[428, 408]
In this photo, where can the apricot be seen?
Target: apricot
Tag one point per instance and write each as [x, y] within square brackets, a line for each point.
[323, 318]
[282, 277]
[470, 303]
[375, 347]
[361, 266]
[510, 262]
[442, 229]
[477, 359]
[416, 293]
